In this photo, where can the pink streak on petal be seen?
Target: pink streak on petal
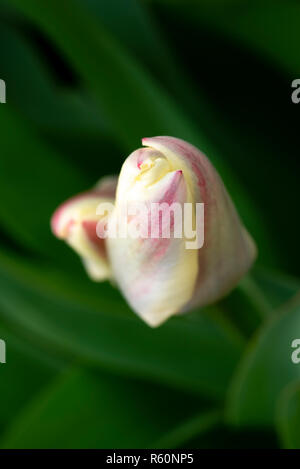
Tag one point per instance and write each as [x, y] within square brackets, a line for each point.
[90, 228]
[59, 211]
[170, 195]
[174, 193]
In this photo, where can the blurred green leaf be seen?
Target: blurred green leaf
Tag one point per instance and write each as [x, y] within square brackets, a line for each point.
[270, 27]
[67, 118]
[195, 427]
[135, 26]
[288, 417]
[85, 410]
[145, 40]
[126, 93]
[197, 352]
[256, 298]
[33, 92]
[278, 288]
[247, 306]
[34, 181]
[265, 370]
[27, 370]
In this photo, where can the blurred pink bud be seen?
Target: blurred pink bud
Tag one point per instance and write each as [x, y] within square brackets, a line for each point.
[76, 220]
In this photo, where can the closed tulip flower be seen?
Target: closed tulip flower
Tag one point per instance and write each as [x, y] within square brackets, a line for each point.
[164, 275]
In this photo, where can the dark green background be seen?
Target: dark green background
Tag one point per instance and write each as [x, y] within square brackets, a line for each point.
[86, 80]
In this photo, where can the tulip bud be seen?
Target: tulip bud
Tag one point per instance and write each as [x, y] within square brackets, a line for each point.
[160, 276]
[76, 221]
[157, 267]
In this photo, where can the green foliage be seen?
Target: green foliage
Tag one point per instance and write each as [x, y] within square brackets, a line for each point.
[265, 370]
[86, 80]
[288, 417]
[101, 418]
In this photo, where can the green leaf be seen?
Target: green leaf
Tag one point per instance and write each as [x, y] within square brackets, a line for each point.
[197, 352]
[104, 65]
[195, 427]
[68, 119]
[247, 306]
[88, 410]
[265, 370]
[270, 27]
[288, 417]
[148, 43]
[256, 298]
[278, 288]
[33, 91]
[27, 370]
[34, 181]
